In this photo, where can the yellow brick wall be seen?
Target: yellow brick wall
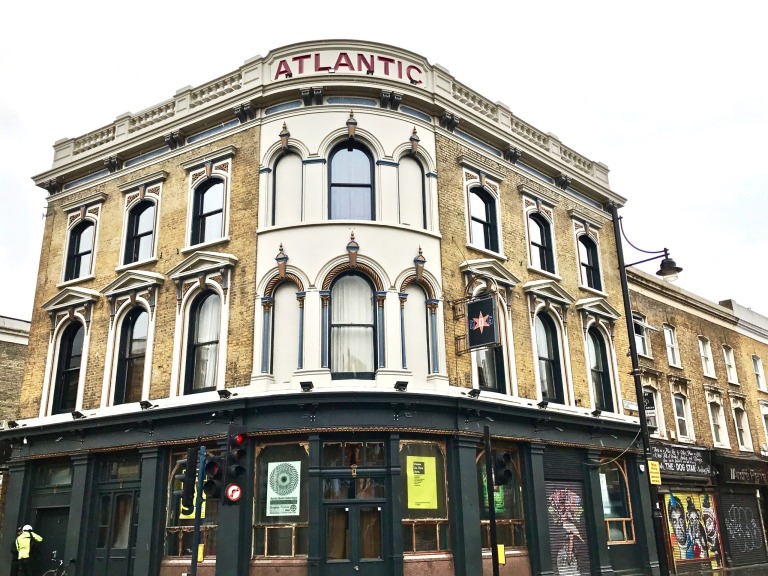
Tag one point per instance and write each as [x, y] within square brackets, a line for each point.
[171, 236]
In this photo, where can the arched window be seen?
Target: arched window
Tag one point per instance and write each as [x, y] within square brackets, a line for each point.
[602, 390]
[286, 325]
[208, 215]
[353, 331]
[588, 263]
[550, 372]
[483, 226]
[287, 190]
[80, 251]
[412, 193]
[416, 332]
[129, 382]
[68, 372]
[203, 343]
[617, 507]
[540, 237]
[140, 233]
[351, 194]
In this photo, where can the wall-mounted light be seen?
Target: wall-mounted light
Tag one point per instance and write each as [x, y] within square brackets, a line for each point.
[596, 412]
[12, 424]
[419, 262]
[282, 260]
[401, 386]
[352, 249]
[146, 405]
[543, 404]
[369, 72]
[225, 394]
[351, 125]
[284, 135]
[77, 415]
[306, 386]
[474, 393]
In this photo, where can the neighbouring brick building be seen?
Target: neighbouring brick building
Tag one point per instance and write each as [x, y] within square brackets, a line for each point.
[364, 263]
[706, 398]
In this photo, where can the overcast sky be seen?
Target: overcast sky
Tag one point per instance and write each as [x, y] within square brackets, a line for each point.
[670, 95]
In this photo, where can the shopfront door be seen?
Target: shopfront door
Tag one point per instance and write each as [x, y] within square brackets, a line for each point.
[116, 533]
[354, 540]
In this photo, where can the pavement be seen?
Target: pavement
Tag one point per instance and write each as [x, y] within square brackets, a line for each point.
[753, 570]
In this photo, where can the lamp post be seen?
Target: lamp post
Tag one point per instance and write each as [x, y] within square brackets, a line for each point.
[668, 271]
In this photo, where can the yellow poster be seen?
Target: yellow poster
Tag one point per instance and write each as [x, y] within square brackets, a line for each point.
[422, 482]
[191, 515]
[654, 472]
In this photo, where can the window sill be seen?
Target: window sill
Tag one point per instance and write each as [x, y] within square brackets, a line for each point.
[204, 245]
[75, 281]
[686, 440]
[676, 366]
[497, 255]
[711, 377]
[723, 446]
[593, 291]
[734, 383]
[544, 273]
[745, 449]
[646, 356]
[124, 267]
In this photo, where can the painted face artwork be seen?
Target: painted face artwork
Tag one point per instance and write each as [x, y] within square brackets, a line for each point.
[693, 527]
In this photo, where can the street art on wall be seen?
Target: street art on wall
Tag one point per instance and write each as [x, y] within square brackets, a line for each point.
[567, 531]
[694, 531]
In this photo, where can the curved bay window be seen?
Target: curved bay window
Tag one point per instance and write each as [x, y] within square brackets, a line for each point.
[423, 486]
[68, 372]
[179, 526]
[548, 349]
[507, 500]
[602, 390]
[589, 265]
[351, 191]
[483, 226]
[617, 508]
[281, 523]
[203, 343]
[208, 215]
[80, 251]
[540, 238]
[140, 233]
[353, 331]
[129, 383]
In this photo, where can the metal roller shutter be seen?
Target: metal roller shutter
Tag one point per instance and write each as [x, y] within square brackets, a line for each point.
[742, 529]
[567, 529]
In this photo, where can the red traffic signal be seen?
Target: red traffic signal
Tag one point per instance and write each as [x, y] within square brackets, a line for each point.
[214, 471]
[235, 458]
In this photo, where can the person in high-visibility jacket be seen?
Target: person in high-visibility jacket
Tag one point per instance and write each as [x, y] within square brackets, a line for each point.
[23, 547]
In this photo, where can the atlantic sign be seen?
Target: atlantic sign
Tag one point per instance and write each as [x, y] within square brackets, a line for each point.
[329, 62]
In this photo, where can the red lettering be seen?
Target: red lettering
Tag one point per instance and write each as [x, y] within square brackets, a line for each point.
[400, 69]
[410, 77]
[387, 62]
[361, 61]
[300, 60]
[283, 68]
[343, 60]
[319, 68]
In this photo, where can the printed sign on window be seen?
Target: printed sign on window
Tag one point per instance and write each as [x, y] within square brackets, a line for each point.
[283, 488]
[422, 482]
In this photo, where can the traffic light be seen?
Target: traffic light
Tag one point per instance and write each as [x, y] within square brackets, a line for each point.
[235, 457]
[502, 468]
[214, 472]
[188, 479]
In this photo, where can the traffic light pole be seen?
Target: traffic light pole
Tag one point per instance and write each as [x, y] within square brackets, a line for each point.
[491, 500]
[198, 512]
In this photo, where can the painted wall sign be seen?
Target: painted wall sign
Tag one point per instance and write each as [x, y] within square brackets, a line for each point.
[757, 474]
[422, 482]
[367, 63]
[283, 488]
[680, 460]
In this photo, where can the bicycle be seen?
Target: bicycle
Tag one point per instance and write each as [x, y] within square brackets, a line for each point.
[59, 570]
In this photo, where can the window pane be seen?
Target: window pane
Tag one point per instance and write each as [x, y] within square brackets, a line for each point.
[352, 301]
[144, 249]
[487, 369]
[350, 167]
[279, 542]
[370, 533]
[205, 366]
[121, 521]
[213, 198]
[85, 240]
[350, 203]
[613, 490]
[207, 327]
[338, 534]
[211, 227]
[426, 537]
[146, 220]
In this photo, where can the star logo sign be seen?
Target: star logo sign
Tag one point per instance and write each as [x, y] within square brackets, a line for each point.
[482, 321]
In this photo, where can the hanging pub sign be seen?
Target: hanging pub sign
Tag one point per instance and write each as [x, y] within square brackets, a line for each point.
[481, 323]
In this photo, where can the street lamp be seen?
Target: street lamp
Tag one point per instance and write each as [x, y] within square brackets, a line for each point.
[669, 271]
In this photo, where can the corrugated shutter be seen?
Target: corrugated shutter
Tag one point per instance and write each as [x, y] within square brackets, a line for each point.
[567, 529]
[742, 529]
[563, 464]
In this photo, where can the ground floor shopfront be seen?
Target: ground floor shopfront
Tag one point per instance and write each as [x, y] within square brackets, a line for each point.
[714, 508]
[374, 484]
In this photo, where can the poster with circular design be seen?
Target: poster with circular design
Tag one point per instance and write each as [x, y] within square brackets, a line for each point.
[283, 488]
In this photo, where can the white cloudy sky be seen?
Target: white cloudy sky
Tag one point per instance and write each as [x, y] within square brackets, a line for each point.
[670, 95]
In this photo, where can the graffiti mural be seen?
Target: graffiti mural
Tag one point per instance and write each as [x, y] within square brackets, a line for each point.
[567, 531]
[693, 527]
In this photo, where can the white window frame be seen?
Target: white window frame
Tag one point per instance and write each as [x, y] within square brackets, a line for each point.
[638, 320]
[545, 208]
[679, 388]
[764, 418]
[78, 211]
[757, 366]
[715, 397]
[730, 365]
[744, 440]
[705, 350]
[650, 384]
[490, 184]
[673, 350]
[149, 188]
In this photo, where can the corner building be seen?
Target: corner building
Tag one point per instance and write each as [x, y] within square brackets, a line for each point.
[363, 262]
